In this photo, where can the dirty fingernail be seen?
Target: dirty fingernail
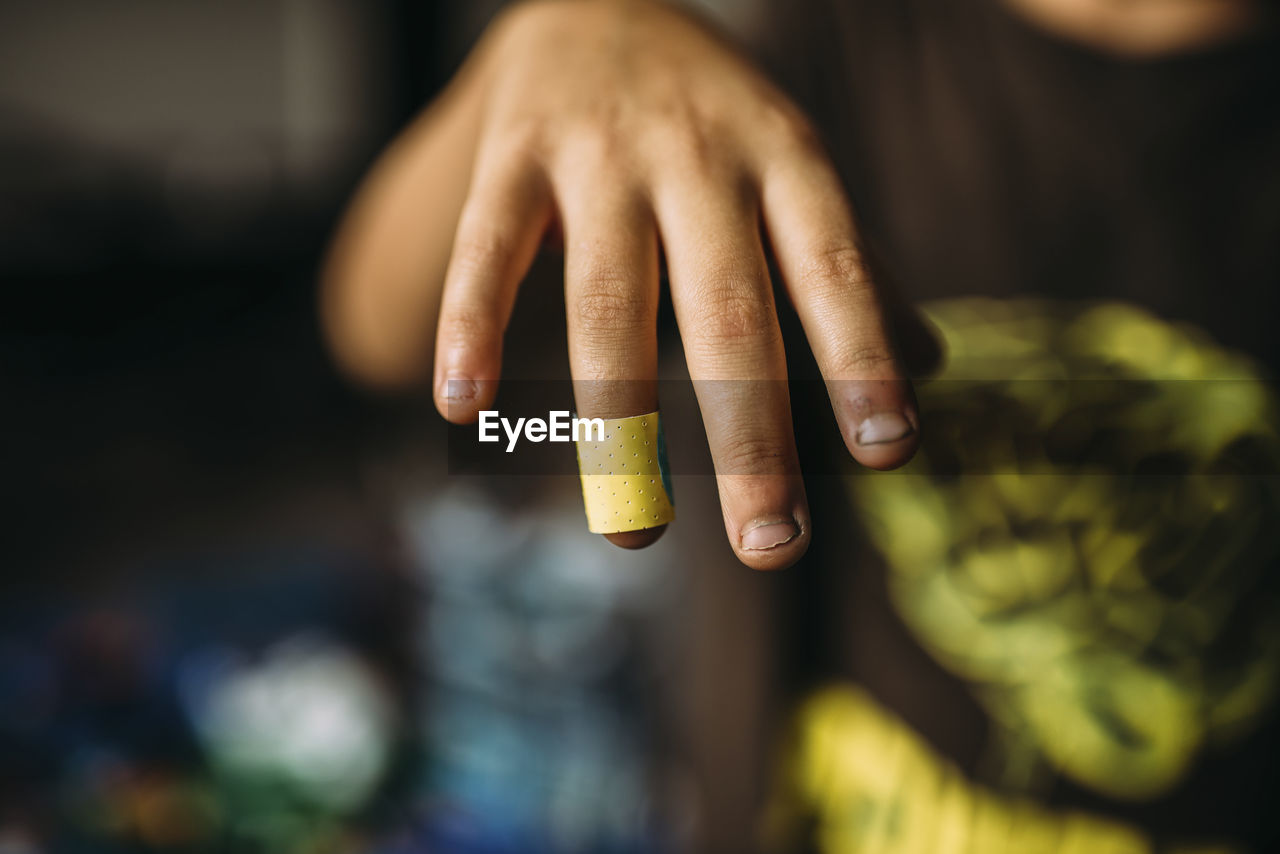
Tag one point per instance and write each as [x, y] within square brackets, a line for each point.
[768, 535]
[883, 428]
[461, 389]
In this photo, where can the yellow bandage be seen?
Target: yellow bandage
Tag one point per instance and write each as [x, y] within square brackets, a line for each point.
[625, 483]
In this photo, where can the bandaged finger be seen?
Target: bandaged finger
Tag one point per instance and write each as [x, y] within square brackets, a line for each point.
[626, 483]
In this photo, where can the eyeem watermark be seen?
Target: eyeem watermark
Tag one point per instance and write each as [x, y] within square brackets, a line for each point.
[559, 426]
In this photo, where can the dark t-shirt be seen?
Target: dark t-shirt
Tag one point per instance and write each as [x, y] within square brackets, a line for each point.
[987, 157]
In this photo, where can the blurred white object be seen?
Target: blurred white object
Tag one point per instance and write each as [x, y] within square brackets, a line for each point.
[310, 712]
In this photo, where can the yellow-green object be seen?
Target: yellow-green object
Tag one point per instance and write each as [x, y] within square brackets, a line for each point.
[857, 780]
[1088, 535]
[625, 486]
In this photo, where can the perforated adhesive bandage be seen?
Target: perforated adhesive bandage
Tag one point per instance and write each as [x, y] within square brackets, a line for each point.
[626, 485]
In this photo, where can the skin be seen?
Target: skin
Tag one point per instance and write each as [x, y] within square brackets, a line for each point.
[626, 129]
[1144, 28]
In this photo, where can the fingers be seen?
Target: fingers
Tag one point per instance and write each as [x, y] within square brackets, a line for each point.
[498, 235]
[724, 306]
[845, 319]
[611, 297]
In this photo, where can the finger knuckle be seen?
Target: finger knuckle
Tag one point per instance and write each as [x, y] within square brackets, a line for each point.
[690, 148]
[595, 141]
[795, 132]
[608, 302]
[479, 251]
[744, 453]
[735, 315]
[838, 268]
[522, 136]
[862, 358]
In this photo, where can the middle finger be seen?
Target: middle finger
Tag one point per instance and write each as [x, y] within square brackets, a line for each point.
[724, 306]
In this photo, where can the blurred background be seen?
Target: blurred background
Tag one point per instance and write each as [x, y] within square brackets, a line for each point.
[244, 608]
[171, 173]
[221, 627]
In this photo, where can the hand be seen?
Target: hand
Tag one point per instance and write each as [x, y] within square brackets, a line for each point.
[627, 126]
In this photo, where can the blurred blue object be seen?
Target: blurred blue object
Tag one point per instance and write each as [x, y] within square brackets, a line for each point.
[533, 653]
[295, 699]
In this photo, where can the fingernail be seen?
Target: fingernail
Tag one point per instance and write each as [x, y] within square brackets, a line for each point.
[460, 389]
[883, 428]
[768, 534]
